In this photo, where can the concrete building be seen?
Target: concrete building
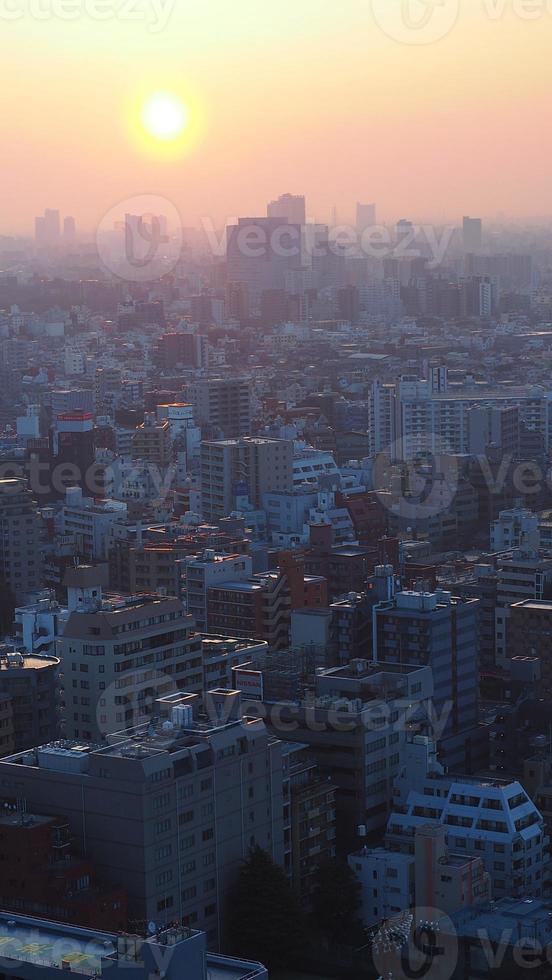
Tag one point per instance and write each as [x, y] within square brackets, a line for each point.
[89, 521]
[521, 575]
[432, 878]
[171, 810]
[199, 573]
[234, 468]
[120, 654]
[493, 819]
[529, 635]
[32, 685]
[39, 949]
[224, 404]
[152, 442]
[20, 539]
[290, 208]
[515, 528]
[440, 631]
[38, 625]
[356, 728]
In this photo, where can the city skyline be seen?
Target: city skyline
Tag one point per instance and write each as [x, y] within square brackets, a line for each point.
[433, 130]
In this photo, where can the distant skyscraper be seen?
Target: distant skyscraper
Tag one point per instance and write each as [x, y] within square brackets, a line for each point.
[473, 234]
[291, 207]
[260, 251]
[69, 230]
[365, 217]
[47, 228]
[404, 229]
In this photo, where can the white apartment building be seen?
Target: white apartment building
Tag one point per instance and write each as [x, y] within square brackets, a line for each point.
[414, 416]
[515, 528]
[493, 819]
[89, 521]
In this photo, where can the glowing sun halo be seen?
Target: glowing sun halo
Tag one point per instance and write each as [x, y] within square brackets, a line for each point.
[164, 116]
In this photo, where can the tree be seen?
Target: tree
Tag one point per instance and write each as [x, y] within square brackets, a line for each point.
[264, 921]
[335, 901]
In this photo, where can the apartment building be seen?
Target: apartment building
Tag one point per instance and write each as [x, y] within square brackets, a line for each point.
[234, 468]
[120, 654]
[356, 728]
[20, 539]
[89, 520]
[493, 819]
[521, 575]
[199, 573]
[152, 441]
[31, 683]
[440, 631]
[169, 811]
[431, 878]
[224, 404]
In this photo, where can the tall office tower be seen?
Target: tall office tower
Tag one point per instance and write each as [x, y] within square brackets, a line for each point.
[20, 533]
[224, 404]
[120, 653]
[235, 468]
[69, 230]
[289, 207]
[365, 217]
[439, 631]
[472, 234]
[169, 814]
[260, 252]
[404, 230]
[47, 228]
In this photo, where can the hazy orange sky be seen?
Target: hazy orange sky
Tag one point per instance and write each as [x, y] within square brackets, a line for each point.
[307, 96]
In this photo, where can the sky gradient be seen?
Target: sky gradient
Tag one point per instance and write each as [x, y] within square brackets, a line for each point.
[306, 96]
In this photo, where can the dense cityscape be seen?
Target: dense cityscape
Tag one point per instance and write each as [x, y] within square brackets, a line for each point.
[275, 500]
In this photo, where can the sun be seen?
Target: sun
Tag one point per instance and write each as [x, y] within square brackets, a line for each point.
[165, 116]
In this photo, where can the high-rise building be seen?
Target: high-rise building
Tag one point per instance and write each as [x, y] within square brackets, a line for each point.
[224, 404]
[168, 811]
[365, 217]
[235, 468]
[493, 819]
[439, 631]
[47, 228]
[472, 234]
[69, 230]
[290, 207]
[20, 539]
[120, 654]
[260, 252]
[32, 685]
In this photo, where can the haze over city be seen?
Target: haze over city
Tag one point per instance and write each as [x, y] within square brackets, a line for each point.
[313, 96]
